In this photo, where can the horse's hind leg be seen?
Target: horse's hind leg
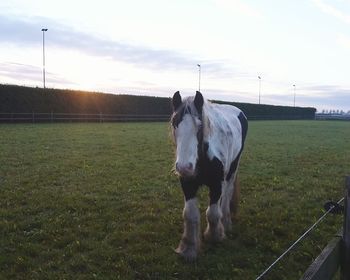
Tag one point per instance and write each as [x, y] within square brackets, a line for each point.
[235, 198]
[229, 203]
[225, 204]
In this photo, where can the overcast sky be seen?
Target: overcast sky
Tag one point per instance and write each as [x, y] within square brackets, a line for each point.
[153, 47]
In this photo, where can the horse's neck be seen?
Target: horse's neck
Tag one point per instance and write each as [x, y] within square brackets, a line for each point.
[208, 123]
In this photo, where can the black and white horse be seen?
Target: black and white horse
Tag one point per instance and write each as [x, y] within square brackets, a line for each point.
[209, 141]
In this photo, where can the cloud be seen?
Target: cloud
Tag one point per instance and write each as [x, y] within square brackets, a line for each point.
[18, 32]
[29, 74]
[326, 96]
[239, 7]
[326, 90]
[27, 71]
[331, 10]
[26, 32]
[343, 40]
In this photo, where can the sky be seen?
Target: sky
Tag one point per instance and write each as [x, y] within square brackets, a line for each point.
[154, 47]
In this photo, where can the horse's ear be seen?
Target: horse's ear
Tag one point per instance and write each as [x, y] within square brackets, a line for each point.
[198, 102]
[176, 100]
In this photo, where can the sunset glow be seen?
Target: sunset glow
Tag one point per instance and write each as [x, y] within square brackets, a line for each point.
[153, 48]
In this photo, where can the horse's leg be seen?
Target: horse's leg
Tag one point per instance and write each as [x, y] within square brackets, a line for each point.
[215, 229]
[190, 242]
[227, 190]
[229, 202]
[235, 198]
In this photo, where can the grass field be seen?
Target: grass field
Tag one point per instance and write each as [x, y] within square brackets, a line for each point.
[99, 201]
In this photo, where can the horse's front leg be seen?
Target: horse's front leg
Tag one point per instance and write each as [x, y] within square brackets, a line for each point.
[190, 243]
[215, 231]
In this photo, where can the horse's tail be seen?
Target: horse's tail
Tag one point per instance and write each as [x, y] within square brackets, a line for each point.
[235, 198]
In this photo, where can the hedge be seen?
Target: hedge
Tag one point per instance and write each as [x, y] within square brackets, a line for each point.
[19, 99]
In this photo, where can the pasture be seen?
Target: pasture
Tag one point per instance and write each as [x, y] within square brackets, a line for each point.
[100, 201]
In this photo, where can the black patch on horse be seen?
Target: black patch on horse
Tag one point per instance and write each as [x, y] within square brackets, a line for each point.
[205, 147]
[234, 164]
[179, 115]
[189, 187]
[210, 173]
[244, 123]
[215, 176]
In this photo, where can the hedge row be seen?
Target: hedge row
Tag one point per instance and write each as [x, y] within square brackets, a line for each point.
[256, 111]
[17, 99]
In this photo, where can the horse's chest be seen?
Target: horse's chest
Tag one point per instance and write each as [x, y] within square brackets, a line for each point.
[210, 170]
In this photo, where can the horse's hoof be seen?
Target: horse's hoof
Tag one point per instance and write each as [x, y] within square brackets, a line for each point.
[214, 236]
[227, 225]
[189, 254]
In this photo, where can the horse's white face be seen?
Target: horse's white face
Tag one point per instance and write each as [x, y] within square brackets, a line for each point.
[187, 145]
[186, 124]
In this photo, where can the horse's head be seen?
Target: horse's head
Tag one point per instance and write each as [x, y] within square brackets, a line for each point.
[187, 129]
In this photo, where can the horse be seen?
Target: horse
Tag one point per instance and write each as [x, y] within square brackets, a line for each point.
[209, 140]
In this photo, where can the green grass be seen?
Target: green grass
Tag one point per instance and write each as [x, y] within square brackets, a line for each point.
[99, 201]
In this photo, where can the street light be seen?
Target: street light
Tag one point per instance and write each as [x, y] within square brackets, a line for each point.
[44, 30]
[259, 77]
[199, 73]
[294, 94]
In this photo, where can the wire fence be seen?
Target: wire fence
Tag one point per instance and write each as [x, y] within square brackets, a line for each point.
[265, 272]
[74, 117]
[344, 117]
[34, 117]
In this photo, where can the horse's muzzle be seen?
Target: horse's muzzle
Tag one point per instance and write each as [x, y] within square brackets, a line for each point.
[185, 170]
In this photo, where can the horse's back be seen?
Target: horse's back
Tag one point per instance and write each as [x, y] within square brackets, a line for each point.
[228, 109]
[227, 133]
[229, 118]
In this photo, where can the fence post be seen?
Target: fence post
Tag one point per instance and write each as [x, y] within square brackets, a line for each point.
[51, 116]
[345, 265]
[33, 120]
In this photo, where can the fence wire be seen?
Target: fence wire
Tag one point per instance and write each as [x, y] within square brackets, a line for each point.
[298, 240]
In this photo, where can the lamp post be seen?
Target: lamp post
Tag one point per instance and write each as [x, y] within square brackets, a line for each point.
[44, 30]
[294, 94]
[259, 77]
[199, 77]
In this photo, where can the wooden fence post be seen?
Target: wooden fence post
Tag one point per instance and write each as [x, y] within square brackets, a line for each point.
[327, 263]
[345, 265]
